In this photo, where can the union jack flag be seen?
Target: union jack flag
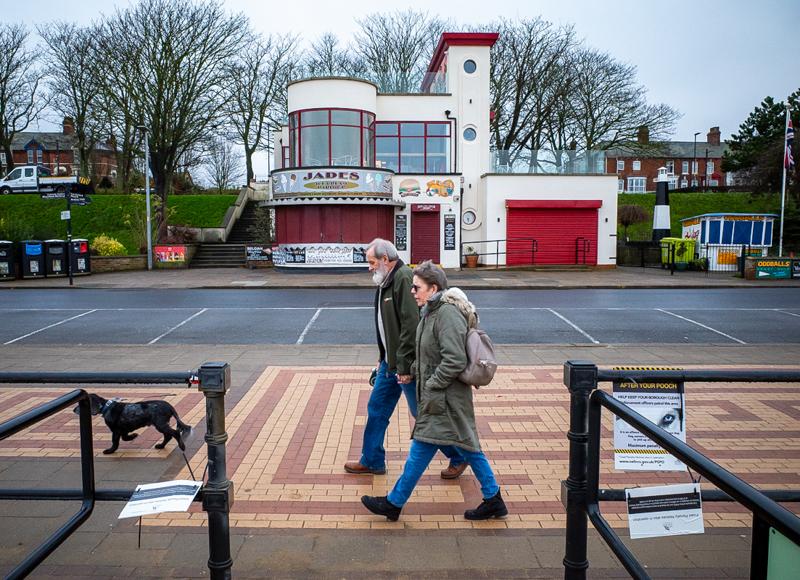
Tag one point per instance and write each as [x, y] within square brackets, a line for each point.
[788, 159]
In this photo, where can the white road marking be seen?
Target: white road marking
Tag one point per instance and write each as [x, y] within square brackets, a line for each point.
[733, 338]
[177, 326]
[49, 326]
[789, 313]
[308, 326]
[575, 326]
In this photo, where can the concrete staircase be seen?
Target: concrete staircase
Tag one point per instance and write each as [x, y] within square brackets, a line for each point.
[219, 256]
[240, 233]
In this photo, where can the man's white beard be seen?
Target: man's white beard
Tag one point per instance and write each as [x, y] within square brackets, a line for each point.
[379, 275]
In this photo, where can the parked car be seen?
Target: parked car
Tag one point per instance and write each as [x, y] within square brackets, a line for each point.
[38, 179]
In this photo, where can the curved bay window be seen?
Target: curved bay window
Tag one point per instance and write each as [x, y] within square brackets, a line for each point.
[321, 137]
[414, 147]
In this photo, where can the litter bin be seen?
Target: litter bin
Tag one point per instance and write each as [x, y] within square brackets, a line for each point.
[31, 255]
[55, 258]
[8, 269]
[684, 252]
[81, 262]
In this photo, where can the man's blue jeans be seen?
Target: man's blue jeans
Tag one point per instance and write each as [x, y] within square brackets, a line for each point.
[419, 457]
[382, 403]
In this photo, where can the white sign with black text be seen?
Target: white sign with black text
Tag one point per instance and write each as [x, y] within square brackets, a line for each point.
[155, 498]
[666, 510]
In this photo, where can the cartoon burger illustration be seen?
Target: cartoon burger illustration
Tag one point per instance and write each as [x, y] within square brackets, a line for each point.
[409, 187]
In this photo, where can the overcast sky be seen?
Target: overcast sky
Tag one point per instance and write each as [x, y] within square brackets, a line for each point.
[712, 60]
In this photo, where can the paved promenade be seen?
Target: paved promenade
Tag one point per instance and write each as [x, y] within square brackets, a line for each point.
[296, 414]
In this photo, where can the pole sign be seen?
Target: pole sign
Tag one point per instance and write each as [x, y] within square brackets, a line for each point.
[663, 404]
[65, 215]
[665, 510]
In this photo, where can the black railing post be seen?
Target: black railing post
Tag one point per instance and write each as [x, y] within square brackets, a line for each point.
[215, 379]
[672, 259]
[759, 549]
[580, 377]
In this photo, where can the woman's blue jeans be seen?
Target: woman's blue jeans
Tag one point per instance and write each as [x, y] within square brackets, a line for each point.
[419, 457]
[382, 403]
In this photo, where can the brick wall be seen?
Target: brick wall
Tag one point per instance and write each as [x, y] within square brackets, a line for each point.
[118, 263]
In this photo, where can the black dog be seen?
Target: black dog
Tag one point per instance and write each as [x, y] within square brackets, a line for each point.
[123, 418]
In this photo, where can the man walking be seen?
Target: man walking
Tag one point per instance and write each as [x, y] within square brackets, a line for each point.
[396, 320]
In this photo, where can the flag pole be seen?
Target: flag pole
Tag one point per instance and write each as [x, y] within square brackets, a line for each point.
[783, 181]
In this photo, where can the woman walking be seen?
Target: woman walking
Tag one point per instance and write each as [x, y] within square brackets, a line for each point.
[445, 415]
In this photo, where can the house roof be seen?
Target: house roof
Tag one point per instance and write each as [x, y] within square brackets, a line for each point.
[50, 141]
[672, 149]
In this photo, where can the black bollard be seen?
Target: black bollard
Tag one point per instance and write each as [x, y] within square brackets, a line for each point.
[215, 379]
[580, 377]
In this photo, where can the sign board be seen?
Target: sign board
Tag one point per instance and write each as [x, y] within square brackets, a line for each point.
[449, 232]
[332, 182]
[401, 231]
[75, 198]
[665, 510]
[170, 254]
[320, 255]
[156, 498]
[663, 404]
[783, 558]
[795, 268]
[773, 269]
[258, 253]
[65, 215]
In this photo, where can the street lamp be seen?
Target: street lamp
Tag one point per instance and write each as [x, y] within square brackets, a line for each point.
[144, 131]
[694, 161]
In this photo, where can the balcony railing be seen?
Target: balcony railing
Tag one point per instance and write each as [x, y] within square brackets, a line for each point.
[549, 161]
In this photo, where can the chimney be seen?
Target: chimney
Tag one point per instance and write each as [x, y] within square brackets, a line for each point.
[68, 126]
[713, 136]
[643, 135]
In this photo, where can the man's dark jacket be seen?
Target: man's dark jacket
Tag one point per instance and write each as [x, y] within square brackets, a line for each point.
[400, 316]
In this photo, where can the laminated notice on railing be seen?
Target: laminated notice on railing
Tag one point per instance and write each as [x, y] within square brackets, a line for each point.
[666, 510]
[662, 403]
[155, 498]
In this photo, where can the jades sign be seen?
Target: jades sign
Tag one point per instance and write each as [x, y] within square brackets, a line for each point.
[332, 182]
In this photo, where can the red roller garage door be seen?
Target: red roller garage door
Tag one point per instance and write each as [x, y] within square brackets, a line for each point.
[424, 232]
[565, 231]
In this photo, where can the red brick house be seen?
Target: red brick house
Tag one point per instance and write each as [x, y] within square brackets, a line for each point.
[58, 152]
[688, 163]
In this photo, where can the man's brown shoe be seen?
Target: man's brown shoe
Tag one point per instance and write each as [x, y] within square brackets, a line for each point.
[453, 471]
[358, 469]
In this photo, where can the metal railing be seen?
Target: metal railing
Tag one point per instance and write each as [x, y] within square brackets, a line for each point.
[549, 161]
[212, 379]
[469, 249]
[581, 494]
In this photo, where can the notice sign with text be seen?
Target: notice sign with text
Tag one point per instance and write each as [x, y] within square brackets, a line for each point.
[155, 498]
[666, 510]
[662, 403]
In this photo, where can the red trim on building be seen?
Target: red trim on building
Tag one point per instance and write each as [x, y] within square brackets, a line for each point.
[449, 39]
[554, 203]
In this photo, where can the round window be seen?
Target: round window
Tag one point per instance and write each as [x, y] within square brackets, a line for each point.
[470, 134]
[469, 217]
[470, 66]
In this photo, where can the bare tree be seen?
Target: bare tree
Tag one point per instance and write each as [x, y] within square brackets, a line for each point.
[327, 58]
[20, 76]
[165, 63]
[609, 106]
[257, 80]
[530, 79]
[73, 85]
[396, 48]
[223, 164]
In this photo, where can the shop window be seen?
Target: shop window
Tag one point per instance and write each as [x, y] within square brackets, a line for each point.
[319, 137]
[413, 147]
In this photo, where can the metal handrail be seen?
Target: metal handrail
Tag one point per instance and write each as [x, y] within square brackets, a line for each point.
[580, 491]
[497, 253]
[87, 493]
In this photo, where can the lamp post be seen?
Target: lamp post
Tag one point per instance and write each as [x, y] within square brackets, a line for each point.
[694, 161]
[144, 131]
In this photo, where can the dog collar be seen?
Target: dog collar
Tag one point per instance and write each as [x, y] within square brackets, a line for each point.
[106, 406]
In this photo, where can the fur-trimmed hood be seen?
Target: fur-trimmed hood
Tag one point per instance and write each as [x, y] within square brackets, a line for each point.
[457, 298]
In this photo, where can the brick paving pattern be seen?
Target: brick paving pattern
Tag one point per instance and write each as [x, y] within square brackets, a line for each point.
[294, 428]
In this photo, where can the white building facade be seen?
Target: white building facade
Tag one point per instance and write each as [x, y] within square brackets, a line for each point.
[354, 164]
